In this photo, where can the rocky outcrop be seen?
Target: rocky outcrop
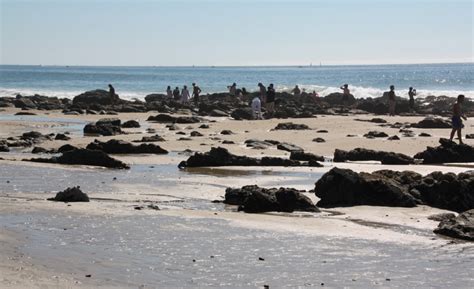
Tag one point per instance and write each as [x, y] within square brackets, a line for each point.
[131, 124]
[375, 134]
[361, 154]
[98, 96]
[219, 156]
[153, 138]
[460, 227]
[84, 157]
[432, 122]
[291, 126]
[303, 156]
[73, 194]
[122, 147]
[447, 152]
[105, 127]
[342, 187]
[253, 199]
[166, 118]
[289, 147]
[242, 114]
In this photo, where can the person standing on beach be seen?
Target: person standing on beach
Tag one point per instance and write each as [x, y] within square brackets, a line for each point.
[196, 92]
[256, 108]
[112, 94]
[169, 92]
[263, 92]
[232, 89]
[296, 90]
[391, 101]
[345, 95]
[270, 100]
[176, 94]
[185, 95]
[411, 102]
[456, 119]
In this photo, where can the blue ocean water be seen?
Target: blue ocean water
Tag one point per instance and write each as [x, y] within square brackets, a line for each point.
[137, 82]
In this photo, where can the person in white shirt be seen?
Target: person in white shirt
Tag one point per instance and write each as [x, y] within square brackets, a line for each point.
[257, 108]
[185, 95]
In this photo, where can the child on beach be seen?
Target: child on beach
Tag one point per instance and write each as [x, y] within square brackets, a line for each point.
[456, 119]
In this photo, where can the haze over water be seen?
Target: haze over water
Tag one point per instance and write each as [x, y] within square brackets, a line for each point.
[137, 82]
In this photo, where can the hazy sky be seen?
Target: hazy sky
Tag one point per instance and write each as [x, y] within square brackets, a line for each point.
[72, 32]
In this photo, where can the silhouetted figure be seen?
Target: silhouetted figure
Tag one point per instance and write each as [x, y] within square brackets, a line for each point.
[345, 95]
[456, 119]
[296, 90]
[185, 95]
[411, 95]
[112, 94]
[263, 93]
[391, 101]
[232, 89]
[169, 92]
[270, 100]
[196, 92]
[315, 96]
[176, 94]
[256, 108]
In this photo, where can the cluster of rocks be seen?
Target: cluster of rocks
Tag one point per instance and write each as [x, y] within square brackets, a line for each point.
[460, 227]
[104, 127]
[253, 199]
[166, 118]
[73, 194]
[447, 152]
[114, 146]
[361, 154]
[219, 156]
[344, 187]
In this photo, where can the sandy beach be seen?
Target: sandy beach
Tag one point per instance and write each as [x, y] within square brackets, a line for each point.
[118, 241]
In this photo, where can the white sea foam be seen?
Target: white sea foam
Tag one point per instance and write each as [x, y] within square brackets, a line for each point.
[357, 91]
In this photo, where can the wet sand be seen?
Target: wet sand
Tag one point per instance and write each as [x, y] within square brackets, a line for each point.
[55, 245]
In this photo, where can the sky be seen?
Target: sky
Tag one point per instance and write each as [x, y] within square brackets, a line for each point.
[235, 33]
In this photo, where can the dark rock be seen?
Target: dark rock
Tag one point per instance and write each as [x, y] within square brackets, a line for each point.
[228, 142]
[226, 132]
[319, 140]
[25, 113]
[375, 134]
[204, 126]
[441, 216]
[162, 118]
[303, 156]
[342, 187]
[122, 147]
[218, 113]
[423, 134]
[253, 199]
[470, 136]
[278, 162]
[85, 157]
[39, 150]
[322, 131]
[73, 194]
[394, 137]
[153, 138]
[105, 127]
[431, 122]
[66, 148]
[361, 154]
[184, 139]
[289, 147]
[196, 134]
[98, 96]
[291, 126]
[131, 124]
[447, 152]
[242, 114]
[374, 120]
[61, 136]
[4, 148]
[460, 227]
[258, 144]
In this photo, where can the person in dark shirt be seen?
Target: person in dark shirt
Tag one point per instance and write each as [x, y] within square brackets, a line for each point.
[411, 102]
[263, 93]
[345, 95]
[176, 94]
[457, 118]
[296, 90]
[270, 100]
[112, 94]
[196, 92]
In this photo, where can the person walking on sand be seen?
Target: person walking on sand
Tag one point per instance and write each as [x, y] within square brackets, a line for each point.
[169, 92]
[456, 119]
[270, 100]
[185, 95]
[391, 101]
[345, 95]
[196, 92]
[263, 92]
[176, 94]
[256, 108]
[296, 90]
[411, 101]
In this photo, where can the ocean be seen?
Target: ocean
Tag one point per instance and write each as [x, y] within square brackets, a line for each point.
[137, 82]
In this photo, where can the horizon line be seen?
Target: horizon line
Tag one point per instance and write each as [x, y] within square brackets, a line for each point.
[236, 66]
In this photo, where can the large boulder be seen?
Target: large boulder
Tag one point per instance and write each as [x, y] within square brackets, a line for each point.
[85, 157]
[166, 118]
[253, 199]
[361, 154]
[447, 152]
[291, 126]
[114, 146]
[460, 227]
[343, 187]
[73, 194]
[104, 126]
[98, 96]
[242, 113]
[336, 98]
[131, 124]
[432, 122]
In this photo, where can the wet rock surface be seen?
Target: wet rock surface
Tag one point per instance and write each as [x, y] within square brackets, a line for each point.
[253, 199]
[361, 154]
[447, 152]
[73, 194]
[122, 147]
[460, 227]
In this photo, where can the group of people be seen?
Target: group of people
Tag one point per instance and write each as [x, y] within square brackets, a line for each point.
[183, 95]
